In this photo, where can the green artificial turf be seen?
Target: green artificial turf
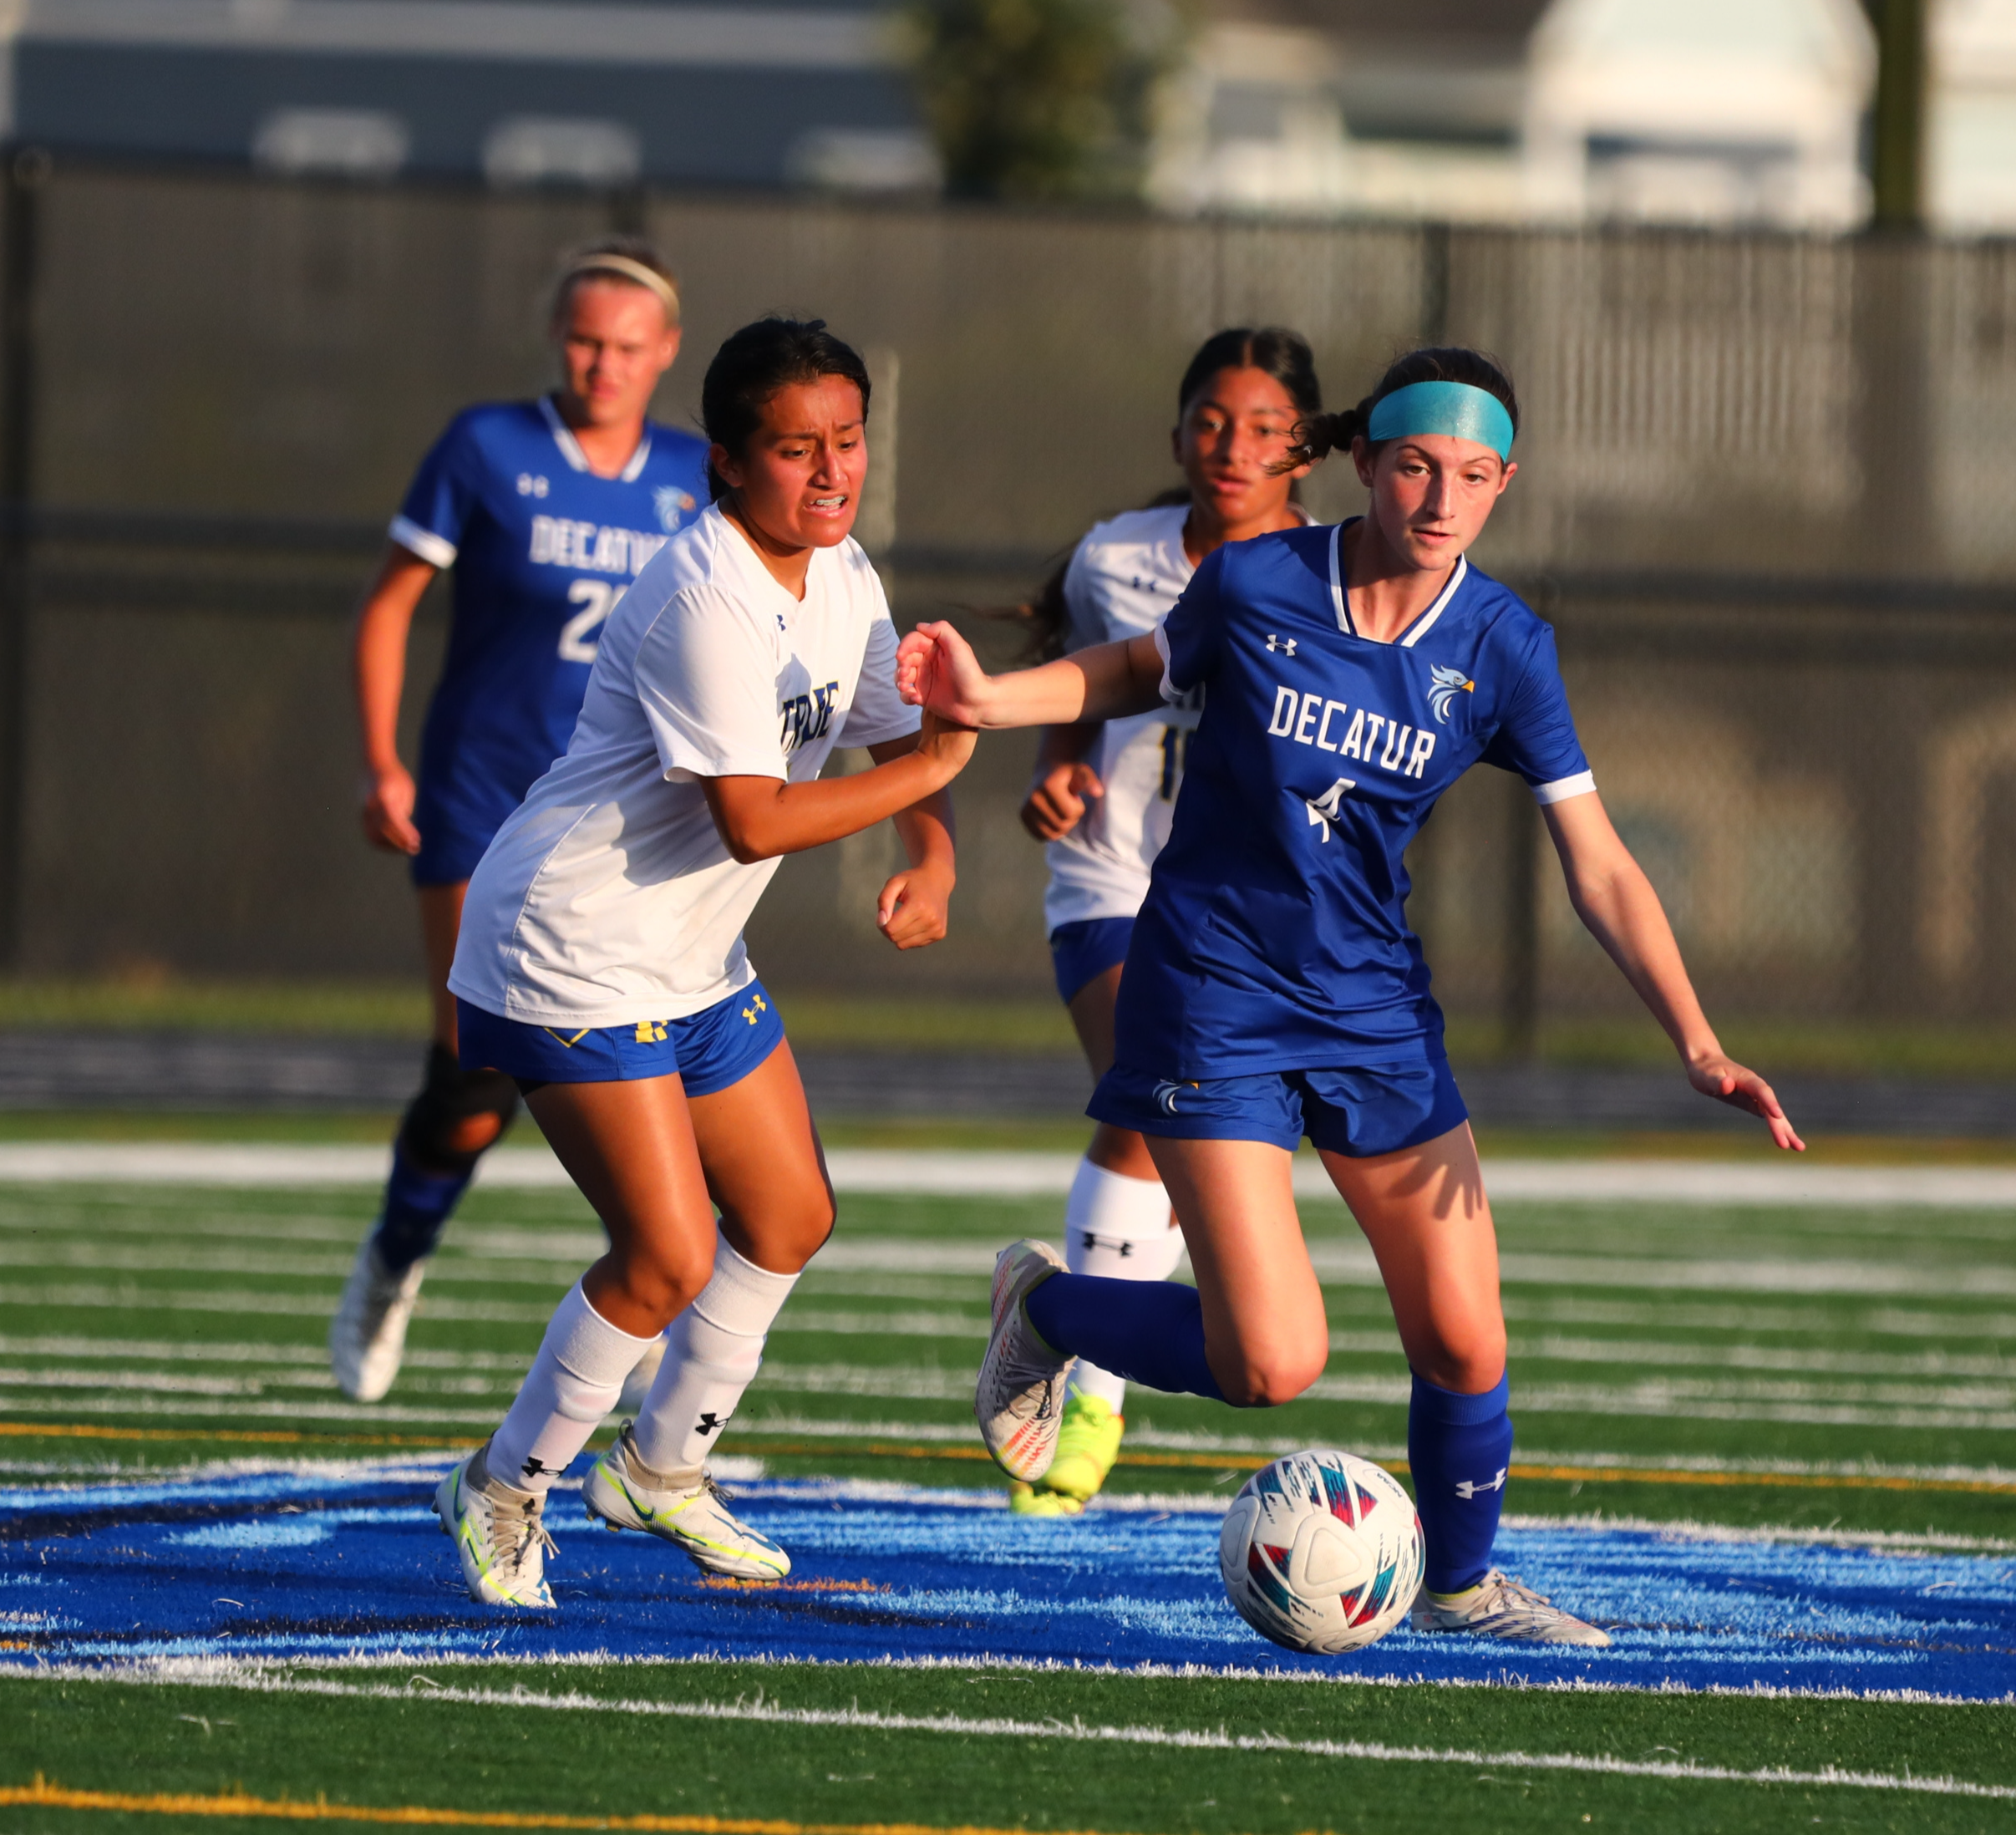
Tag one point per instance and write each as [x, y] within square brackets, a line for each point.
[422, 1750]
[145, 1329]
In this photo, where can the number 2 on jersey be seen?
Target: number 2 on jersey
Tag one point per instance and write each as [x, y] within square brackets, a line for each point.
[598, 599]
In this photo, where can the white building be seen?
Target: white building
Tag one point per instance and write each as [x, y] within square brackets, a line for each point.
[1699, 111]
[1970, 153]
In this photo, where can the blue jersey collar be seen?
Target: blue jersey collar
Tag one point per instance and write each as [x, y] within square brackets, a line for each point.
[1340, 600]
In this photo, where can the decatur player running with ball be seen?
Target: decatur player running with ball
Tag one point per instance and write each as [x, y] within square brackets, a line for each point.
[602, 964]
[1102, 799]
[545, 510]
[1273, 989]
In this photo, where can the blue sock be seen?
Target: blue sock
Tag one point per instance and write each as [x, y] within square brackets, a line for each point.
[418, 1205]
[1149, 1332]
[1459, 1447]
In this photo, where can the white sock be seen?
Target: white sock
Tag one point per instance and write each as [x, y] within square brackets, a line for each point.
[1119, 1228]
[573, 1382]
[712, 1354]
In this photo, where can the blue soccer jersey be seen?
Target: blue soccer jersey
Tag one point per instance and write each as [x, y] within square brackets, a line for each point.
[542, 549]
[1274, 936]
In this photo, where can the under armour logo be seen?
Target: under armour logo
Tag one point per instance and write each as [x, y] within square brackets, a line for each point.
[1119, 1244]
[1328, 808]
[761, 1006]
[532, 1467]
[1468, 1489]
[1286, 646]
[710, 1421]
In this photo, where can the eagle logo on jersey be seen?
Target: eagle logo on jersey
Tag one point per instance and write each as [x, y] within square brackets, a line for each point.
[1449, 683]
[673, 507]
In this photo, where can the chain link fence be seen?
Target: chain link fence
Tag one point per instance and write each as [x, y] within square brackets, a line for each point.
[1765, 494]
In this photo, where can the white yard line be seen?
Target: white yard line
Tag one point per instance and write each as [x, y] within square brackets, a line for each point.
[954, 1174]
[962, 1726]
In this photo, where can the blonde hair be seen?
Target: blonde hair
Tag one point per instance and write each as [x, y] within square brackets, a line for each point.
[627, 258]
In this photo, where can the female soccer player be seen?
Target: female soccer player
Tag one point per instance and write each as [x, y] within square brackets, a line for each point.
[601, 962]
[1102, 799]
[545, 509]
[1350, 675]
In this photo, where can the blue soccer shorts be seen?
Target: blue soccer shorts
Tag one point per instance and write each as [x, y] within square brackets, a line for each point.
[709, 1050]
[1082, 952]
[1360, 1113]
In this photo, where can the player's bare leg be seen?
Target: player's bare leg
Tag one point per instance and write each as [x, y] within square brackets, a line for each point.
[1424, 1213]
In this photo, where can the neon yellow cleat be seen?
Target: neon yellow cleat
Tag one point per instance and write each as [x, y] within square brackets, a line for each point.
[1088, 1442]
[1039, 1500]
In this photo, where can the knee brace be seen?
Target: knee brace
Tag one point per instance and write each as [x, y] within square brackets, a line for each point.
[457, 1114]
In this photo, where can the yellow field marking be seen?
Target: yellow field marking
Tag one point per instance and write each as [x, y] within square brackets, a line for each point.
[43, 1795]
[1208, 1461]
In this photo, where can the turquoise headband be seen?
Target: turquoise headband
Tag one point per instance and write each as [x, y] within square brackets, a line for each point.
[1456, 409]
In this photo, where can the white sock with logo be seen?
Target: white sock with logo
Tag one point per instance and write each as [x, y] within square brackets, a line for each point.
[573, 1382]
[712, 1354]
[1119, 1228]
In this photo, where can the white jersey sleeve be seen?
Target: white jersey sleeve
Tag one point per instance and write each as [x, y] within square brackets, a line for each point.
[878, 713]
[1121, 581]
[706, 679]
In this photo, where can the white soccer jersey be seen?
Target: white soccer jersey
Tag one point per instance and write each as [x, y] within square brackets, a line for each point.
[609, 897]
[1123, 579]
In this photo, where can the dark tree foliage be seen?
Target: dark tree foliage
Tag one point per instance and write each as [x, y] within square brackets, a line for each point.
[1039, 98]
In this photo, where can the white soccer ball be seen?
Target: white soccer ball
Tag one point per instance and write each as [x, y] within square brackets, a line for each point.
[1322, 1550]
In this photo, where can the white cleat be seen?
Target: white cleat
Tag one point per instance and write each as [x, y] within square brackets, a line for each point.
[1020, 1399]
[368, 1336]
[686, 1508]
[1500, 1607]
[500, 1533]
[636, 1385]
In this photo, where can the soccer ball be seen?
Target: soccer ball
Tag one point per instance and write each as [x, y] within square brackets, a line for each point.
[1321, 1552]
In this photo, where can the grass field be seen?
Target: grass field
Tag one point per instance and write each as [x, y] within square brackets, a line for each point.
[1771, 1445]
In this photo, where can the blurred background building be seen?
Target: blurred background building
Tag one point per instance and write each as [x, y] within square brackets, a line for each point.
[1686, 111]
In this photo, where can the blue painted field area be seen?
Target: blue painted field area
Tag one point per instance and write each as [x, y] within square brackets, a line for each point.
[304, 1564]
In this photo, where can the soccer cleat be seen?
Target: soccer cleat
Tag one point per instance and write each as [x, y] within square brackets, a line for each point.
[686, 1508]
[1040, 1501]
[1088, 1442]
[368, 1336]
[1501, 1606]
[1019, 1398]
[499, 1534]
[636, 1385]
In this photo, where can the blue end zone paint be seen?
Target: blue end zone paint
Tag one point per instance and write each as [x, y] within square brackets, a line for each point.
[299, 1564]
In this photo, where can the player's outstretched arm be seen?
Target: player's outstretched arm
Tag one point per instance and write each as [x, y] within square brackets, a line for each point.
[936, 668]
[1611, 896]
[378, 671]
[761, 817]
